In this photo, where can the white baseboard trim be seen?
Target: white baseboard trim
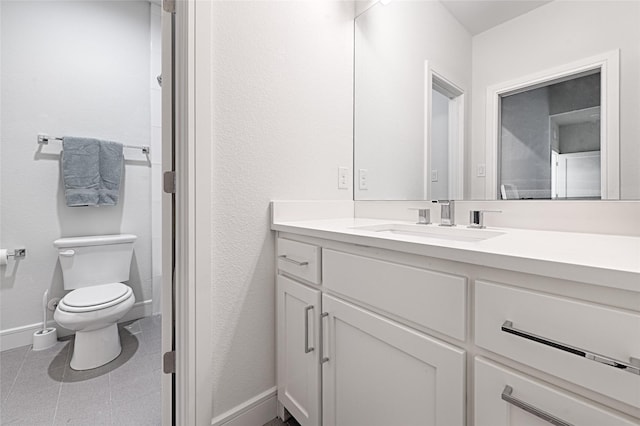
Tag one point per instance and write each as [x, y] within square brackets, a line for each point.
[257, 411]
[22, 336]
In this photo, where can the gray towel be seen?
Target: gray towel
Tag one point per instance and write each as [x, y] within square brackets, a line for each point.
[91, 171]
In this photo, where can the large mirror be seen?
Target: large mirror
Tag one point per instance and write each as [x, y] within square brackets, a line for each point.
[491, 100]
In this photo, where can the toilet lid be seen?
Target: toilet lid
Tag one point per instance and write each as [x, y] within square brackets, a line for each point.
[95, 295]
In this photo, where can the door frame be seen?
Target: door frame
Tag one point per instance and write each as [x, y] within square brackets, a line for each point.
[456, 95]
[608, 63]
[189, 252]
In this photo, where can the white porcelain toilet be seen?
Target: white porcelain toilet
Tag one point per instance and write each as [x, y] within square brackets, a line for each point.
[94, 268]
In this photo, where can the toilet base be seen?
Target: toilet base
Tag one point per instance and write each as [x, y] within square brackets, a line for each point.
[95, 348]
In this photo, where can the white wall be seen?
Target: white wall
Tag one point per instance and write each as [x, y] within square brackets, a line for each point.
[155, 92]
[282, 123]
[69, 68]
[550, 36]
[393, 42]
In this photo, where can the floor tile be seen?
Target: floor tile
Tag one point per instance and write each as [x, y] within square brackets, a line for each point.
[133, 388]
[151, 323]
[37, 407]
[27, 383]
[40, 388]
[144, 411]
[94, 412]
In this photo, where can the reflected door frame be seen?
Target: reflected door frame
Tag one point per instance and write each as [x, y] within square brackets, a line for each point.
[456, 95]
[608, 64]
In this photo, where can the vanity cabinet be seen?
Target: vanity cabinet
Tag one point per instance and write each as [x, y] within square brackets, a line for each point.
[298, 342]
[373, 336]
[504, 397]
[570, 339]
[341, 364]
[377, 372]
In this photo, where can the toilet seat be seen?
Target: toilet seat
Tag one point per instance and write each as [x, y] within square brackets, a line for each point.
[94, 298]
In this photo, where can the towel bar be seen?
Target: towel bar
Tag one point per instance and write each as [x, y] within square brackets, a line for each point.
[44, 140]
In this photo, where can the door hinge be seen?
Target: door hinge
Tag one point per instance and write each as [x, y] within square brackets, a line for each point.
[169, 182]
[169, 362]
[169, 6]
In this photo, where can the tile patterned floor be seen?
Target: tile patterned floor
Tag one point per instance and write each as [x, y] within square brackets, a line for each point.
[39, 388]
[278, 422]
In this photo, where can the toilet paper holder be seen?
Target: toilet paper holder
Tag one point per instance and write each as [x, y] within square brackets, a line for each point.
[19, 253]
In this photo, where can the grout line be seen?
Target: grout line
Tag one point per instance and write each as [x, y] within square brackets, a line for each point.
[15, 379]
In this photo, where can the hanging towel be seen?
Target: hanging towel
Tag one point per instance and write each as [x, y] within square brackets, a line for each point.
[91, 171]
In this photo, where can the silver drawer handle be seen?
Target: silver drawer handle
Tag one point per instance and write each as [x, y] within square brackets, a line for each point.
[307, 349]
[295, 262]
[632, 367]
[323, 358]
[67, 253]
[506, 396]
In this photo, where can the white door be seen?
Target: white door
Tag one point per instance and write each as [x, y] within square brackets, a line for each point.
[298, 308]
[379, 372]
[506, 398]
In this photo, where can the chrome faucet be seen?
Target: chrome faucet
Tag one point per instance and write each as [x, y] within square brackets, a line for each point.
[476, 218]
[424, 216]
[447, 212]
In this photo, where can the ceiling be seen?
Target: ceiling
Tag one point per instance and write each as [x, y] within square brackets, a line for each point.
[480, 15]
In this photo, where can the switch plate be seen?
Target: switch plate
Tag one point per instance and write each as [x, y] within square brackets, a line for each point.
[481, 170]
[343, 178]
[363, 179]
[434, 175]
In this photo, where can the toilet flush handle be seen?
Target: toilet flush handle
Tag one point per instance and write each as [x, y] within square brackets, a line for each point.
[67, 253]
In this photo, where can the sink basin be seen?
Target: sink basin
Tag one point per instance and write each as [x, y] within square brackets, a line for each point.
[433, 231]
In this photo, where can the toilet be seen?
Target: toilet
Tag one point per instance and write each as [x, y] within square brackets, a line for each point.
[94, 269]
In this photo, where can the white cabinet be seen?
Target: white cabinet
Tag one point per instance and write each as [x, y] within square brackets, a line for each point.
[528, 402]
[298, 308]
[356, 346]
[378, 372]
[576, 341]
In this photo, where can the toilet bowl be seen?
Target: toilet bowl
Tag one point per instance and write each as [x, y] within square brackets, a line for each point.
[93, 269]
[93, 313]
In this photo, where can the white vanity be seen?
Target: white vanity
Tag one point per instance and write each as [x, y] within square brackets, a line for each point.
[387, 323]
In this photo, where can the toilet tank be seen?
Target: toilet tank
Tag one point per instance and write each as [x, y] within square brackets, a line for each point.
[94, 260]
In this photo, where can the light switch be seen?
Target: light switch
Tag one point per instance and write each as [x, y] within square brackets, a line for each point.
[363, 179]
[434, 175]
[481, 170]
[343, 178]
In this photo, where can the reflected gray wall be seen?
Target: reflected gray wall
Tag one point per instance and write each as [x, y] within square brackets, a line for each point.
[525, 149]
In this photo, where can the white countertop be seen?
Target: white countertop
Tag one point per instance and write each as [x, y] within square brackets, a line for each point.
[605, 260]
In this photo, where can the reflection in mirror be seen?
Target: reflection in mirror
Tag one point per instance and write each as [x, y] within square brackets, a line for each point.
[550, 141]
[402, 48]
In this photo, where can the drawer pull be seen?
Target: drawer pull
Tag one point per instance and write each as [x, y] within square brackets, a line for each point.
[506, 396]
[632, 367]
[307, 349]
[295, 262]
[323, 358]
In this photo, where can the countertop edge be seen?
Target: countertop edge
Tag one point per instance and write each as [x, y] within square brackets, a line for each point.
[605, 277]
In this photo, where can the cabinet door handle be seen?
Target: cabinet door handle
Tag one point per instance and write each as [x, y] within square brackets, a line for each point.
[295, 262]
[307, 349]
[506, 396]
[323, 358]
[632, 367]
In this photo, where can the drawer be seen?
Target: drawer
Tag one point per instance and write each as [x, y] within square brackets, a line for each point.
[299, 260]
[584, 343]
[492, 409]
[427, 298]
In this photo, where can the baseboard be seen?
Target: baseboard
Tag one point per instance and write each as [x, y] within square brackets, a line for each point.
[139, 310]
[257, 411]
[22, 336]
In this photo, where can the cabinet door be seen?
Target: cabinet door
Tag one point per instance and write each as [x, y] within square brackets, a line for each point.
[379, 372]
[528, 402]
[298, 308]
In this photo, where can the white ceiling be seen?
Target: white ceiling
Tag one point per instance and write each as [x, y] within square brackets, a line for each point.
[480, 15]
